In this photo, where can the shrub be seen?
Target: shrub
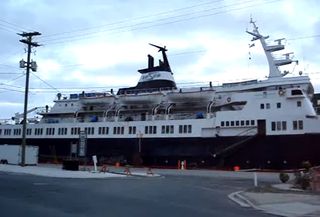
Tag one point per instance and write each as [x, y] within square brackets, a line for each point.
[305, 181]
[302, 180]
[284, 177]
[306, 165]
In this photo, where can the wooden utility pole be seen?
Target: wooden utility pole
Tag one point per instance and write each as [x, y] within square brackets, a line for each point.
[27, 39]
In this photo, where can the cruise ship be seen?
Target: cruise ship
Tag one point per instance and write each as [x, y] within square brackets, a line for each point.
[268, 123]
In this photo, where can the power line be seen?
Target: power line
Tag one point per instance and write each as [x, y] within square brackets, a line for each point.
[136, 26]
[12, 26]
[131, 19]
[159, 22]
[304, 37]
[52, 87]
[14, 79]
[9, 89]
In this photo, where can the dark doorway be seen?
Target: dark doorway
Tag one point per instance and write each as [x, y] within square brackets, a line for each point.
[261, 127]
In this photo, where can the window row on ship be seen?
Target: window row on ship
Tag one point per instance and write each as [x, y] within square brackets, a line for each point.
[116, 130]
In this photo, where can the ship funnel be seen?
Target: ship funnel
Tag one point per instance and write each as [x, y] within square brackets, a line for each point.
[150, 61]
[59, 96]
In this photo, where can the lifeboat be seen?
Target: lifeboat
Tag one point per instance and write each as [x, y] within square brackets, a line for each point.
[97, 99]
[187, 97]
[141, 98]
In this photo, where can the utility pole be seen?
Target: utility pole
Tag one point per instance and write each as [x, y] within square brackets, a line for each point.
[27, 39]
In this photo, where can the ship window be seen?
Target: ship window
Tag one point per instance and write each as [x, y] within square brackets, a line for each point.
[185, 128]
[114, 130]
[273, 126]
[247, 122]
[74, 131]
[284, 125]
[71, 104]
[232, 123]
[237, 123]
[167, 129]
[103, 130]
[261, 106]
[50, 131]
[132, 130]
[163, 129]
[63, 131]
[278, 104]
[150, 130]
[296, 92]
[295, 125]
[7, 132]
[227, 123]
[189, 129]
[29, 131]
[107, 130]
[171, 129]
[66, 105]
[252, 122]
[17, 132]
[222, 124]
[300, 124]
[180, 128]
[38, 131]
[278, 125]
[242, 123]
[154, 129]
[299, 103]
[122, 130]
[146, 129]
[268, 106]
[0, 131]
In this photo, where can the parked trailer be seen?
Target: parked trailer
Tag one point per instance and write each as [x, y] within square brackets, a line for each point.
[11, 154]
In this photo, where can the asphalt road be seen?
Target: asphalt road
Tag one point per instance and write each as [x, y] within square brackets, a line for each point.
[32, 196]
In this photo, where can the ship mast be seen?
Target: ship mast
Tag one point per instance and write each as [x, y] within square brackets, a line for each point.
[273, 63]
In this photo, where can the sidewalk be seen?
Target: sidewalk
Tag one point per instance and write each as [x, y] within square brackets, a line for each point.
[50, 170]
[281, 201]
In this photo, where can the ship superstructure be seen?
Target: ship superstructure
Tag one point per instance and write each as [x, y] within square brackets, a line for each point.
[257, 123]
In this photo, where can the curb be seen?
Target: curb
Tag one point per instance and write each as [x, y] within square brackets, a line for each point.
[136, 175]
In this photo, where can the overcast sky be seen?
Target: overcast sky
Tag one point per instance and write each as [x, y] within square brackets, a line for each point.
[95, 45]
